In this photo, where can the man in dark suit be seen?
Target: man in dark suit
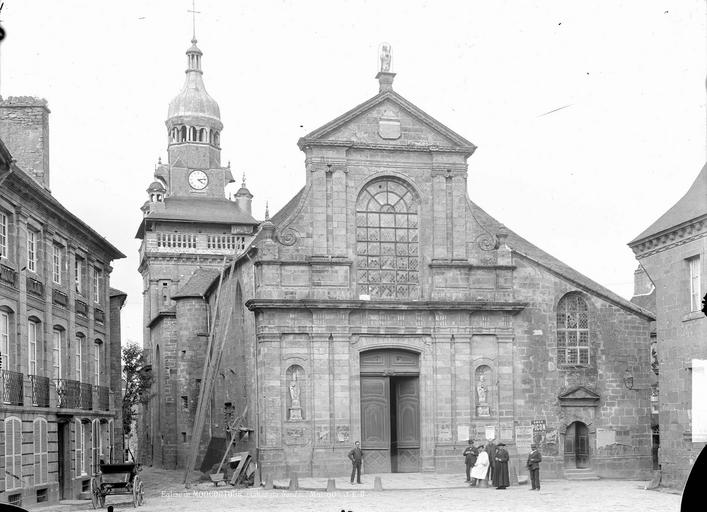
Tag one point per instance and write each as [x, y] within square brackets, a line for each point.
[470, 455]
[533, 466]
[356, 457]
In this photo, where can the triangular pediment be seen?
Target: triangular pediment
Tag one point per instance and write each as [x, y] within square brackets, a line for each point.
[388, 119]
[579, 395]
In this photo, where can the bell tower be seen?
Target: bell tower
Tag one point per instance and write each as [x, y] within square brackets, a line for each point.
[194, 121]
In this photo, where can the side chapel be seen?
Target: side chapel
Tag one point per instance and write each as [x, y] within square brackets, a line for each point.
[381, 304]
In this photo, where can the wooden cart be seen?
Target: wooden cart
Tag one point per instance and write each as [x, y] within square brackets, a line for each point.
[117, 479]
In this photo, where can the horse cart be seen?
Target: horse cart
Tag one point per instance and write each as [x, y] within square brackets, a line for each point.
[117, 479]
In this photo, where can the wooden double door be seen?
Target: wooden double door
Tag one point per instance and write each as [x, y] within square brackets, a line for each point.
[577, 445]
[390, 411]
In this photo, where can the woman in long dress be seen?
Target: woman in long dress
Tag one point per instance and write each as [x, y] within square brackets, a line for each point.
[478, 472]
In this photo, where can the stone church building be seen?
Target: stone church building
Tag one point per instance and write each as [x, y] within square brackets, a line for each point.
[379, 304]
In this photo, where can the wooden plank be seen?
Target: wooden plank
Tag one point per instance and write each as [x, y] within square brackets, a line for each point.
[242, 464]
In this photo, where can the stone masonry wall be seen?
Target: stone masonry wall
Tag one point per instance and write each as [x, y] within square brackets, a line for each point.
[681, 337]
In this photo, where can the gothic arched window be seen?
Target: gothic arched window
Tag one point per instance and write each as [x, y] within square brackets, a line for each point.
[573, 331]
[387, 240]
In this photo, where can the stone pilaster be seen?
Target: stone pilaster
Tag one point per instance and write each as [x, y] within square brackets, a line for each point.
[439, 217]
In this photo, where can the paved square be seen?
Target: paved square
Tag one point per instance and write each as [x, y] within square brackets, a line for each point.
[165, 494]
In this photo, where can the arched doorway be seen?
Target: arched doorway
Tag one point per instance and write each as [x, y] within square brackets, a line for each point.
[390, 411]
[577, 446]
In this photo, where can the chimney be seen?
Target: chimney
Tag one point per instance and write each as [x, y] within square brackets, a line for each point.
[642, 284]
[24, 128]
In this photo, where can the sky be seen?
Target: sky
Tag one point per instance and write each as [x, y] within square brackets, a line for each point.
[589, 117]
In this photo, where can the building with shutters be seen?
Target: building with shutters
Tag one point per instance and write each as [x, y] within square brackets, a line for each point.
[60, 386]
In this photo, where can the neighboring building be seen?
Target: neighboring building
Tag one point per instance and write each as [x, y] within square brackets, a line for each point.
[672, 251]
[60, 396]
[381, 304]
[644, 296]
[189, 227]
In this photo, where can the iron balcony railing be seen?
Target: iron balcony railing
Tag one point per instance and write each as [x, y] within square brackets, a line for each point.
[68, 393]
[103, 397]
[86, 391]
[11, 387]
[40, 390]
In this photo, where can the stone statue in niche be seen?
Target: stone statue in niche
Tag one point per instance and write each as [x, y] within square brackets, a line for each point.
[482, 390]
[295, 410]
[294, 390]
[483, 407]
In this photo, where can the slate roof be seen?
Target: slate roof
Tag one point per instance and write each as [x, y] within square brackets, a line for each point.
[197, 284]
[285, 211]
[198, 210]
[524, 248]
[692, 205]
[114, 292]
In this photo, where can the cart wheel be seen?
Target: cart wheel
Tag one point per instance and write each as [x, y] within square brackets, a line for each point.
[136, 484]
[141, 495]
[95, 493]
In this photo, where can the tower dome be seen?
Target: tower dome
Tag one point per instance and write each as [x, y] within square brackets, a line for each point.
[194, 120]
[193, 101]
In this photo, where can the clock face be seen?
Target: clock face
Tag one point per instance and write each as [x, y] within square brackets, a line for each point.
[198, 180]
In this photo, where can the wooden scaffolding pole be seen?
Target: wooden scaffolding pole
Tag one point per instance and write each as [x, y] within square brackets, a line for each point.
[211, 363]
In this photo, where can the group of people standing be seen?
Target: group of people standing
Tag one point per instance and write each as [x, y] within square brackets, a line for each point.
[490, 463]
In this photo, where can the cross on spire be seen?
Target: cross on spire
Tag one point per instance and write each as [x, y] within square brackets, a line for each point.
[193, 12]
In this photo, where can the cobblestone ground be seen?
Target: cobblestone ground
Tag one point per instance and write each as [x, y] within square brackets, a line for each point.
[165, 494]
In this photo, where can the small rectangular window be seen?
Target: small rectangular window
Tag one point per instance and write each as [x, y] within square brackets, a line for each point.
[97, 364]
[695, 291]
[3, 235]
[97, 285]
[56, 354]
[56, 263]
[79, 274]
[4, 340]
[32, 338]
[78, 359]
[31, 250]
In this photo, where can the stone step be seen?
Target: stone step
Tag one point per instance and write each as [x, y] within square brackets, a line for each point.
[580, 474]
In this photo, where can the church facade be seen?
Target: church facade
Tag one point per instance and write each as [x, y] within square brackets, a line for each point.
[382, 305]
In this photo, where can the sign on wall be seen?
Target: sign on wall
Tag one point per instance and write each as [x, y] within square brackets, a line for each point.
[463, 432]
[524, 437]
[539, 429]
[490, 432]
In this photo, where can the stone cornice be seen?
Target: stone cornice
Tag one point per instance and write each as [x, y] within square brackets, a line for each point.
[349, 144]
[673, 237]
[468, 265]
[333, 261]
[260, 304]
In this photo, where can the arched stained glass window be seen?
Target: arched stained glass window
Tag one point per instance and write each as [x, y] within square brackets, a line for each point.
[572, 331]
[387, 245]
